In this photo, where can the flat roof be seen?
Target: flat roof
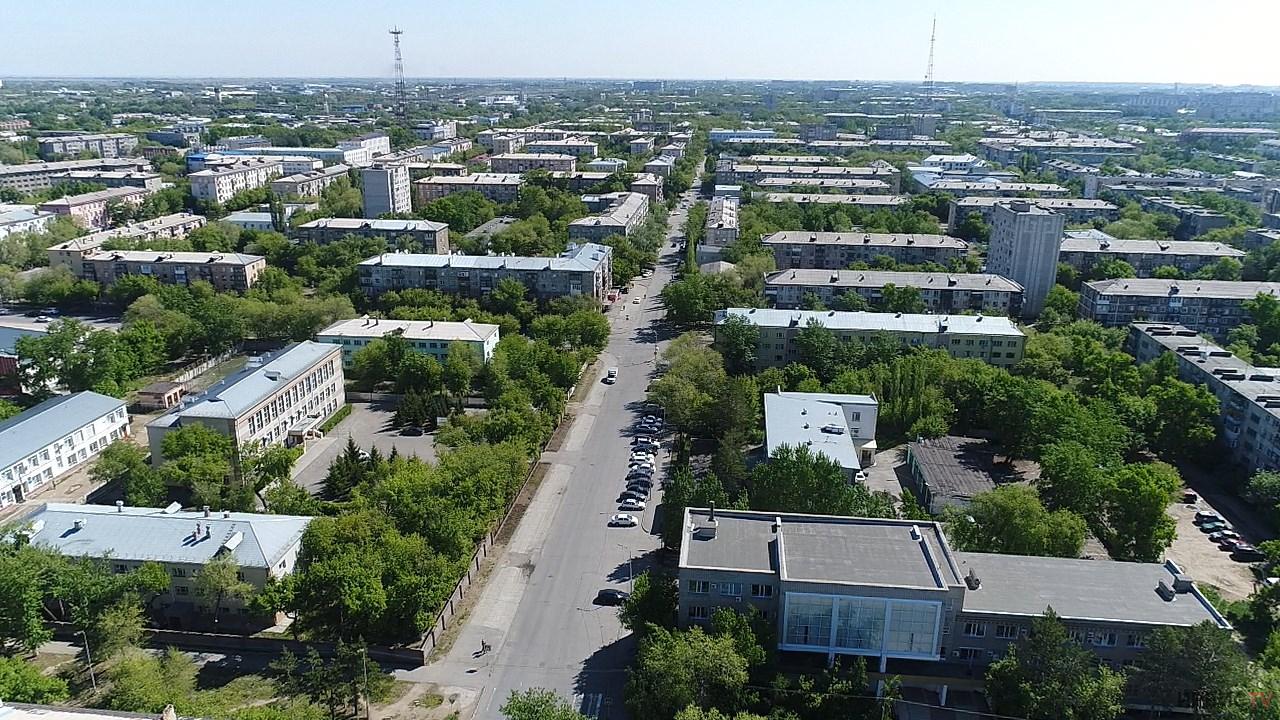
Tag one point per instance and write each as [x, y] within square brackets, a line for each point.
[63, 165]
[786, 237]
[473, 179]
[1046, 203]
[821, 182]
[1157, 287]
[841, 199]
[997, 186]
[1149, 247]
[357, 224]
[492, 227]
[875, 322]
[241, 392]
[1258, 385]
[800, 421]
[323, 172]
[410, 329]
[96, 196]
[810, 170]
[161, 257]
[51, 420]
[583, 258]
[957, 467]
[532, 156]
[983, 282]
[153, 534]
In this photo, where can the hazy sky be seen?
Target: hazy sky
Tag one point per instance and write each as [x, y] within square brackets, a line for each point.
[1197, 41]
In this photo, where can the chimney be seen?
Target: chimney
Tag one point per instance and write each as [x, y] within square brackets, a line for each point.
[711, 515]
[205, 508]
[226, 514]
[119, 506]
[971, 580]
[208, 531]
[915, 533]
[78, 524]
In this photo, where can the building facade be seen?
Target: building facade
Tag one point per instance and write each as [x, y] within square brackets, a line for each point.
[1083, 252]
[941, 292]
[106, 145]
[619, 213]
[69, 254]
[218, 185]
[524, 162]
[1207, 306]
[22, 219]
[308, 184]
[427, 235]
[837, 250]
[386, 189]
[498, 187]
[32, 177]
[1024, 245]
[1075, 210]
[91, 210]
[722, 222]
[113, 178]
[1193, 220]
[47, 441]
[428, 337]
[227, 272]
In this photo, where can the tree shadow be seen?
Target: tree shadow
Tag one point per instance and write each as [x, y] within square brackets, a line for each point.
[602, 679]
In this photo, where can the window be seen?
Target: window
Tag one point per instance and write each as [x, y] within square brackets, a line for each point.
[697, 612]
[761, 591]
[1007, 632]
[1103, 638]
[180, 589]
[968, 653]
[975, 629]
[177, 572]
[120, 568]
[731, 589]
[1136, 640]
[699, 587]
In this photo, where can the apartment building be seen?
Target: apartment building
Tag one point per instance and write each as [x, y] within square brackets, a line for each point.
[1024, 244]
[839, 427]
[995, 340]
[385, 189]
[437, 130]
[722, 134]
[91, 210]
[619, 213]
[964, 188]
[640, 146]
[1233, 134]
[837, 250]
[649, 185]
[222, 183]
[606, 165]
[451, 147]
[278, 399]
[1083, 250]
[376, 143]
[1193, 220]
[1088, 175]
[504, 144]
[498, 187]
[848, 186]
[430, 236]
[730, 172]
[358, 156]
[894, 592]
[871, 202]
[308, 184]
[113, 178]
[674, 149]
[1075, 210]
[264, 547]
[581, 270]
[106, 145]
[289, 164]
[15, 124]
[722, 222]
[1248, 396]
[45, 442]
[429, 337]
[28, 178]
[524, 162]
[227, 272]
[576, 146]
[22, 218]
[1208, 306]
[71, 253]
[941, 292]
[662, 166]
[966, 163]
[1093, 151]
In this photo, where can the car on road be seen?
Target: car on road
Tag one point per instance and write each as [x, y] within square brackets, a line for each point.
[612, 597]
[642, 457]
[630, 504]
[1244, 552]
[1231, 544]
[611, 376]
[648, 447]
[623, 520]
[635, 301]
[43, 319]
[411, 431]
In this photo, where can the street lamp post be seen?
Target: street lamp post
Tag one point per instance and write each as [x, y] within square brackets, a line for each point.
[89, 659]
[631, 567]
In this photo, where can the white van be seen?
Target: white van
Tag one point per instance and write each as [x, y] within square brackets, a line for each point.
[611, 376]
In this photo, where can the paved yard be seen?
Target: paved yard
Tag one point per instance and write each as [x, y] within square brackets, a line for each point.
[1204, 561]
[369, 424]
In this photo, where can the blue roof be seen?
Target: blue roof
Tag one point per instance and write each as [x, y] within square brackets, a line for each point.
[49, 421]
[9, 337]
[240, 392]
[142, 534]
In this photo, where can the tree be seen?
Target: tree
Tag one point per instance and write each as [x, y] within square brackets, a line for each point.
[143, 683]
[652, 603]
[1184, 419]
[1139, 528]
[676, 669]
[464, 211]
[1201, 667]
[20, 681]
[1049, 677]
[219, 581]
[736, 340]
[126, 463]
[538, 704]
[117, 628]
[460, 366]
[904, 299]
[1071, 477]
[1011, 520]
[798, 480]
[973, 229]
[24, 584]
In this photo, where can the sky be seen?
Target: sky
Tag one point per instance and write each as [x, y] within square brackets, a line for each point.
[1159, 41]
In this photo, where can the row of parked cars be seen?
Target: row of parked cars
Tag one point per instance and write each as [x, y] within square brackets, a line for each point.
[641, 469]
[1221, 534]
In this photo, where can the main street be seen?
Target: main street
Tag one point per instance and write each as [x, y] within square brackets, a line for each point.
[537, 611]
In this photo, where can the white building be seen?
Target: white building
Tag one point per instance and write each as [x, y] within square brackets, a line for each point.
[54, 438]
[376, 143]
[620, 214]
[1024, 246]
[386, 190]
[310, 183]
[221, 184]
[429, 337]
[22, 218]
[954, 163]
[722, 221]
[609, 165]
[841, 427]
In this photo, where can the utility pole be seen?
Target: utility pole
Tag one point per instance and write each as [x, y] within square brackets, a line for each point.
[400, 94]
[89, 659]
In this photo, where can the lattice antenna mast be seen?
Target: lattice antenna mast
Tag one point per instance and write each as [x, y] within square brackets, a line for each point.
[400, 94]
[928, 73]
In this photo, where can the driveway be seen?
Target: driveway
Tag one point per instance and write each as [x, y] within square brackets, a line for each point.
[369, 425]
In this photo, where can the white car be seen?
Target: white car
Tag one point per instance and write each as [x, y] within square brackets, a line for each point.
[642, 457]
[623, 520]
[860, 476]
[631, 505]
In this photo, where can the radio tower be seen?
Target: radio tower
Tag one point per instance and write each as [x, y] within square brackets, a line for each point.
[928, 73]
[400, 95]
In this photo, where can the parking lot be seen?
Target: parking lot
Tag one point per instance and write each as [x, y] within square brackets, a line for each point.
[1203, 560]
[369, 424]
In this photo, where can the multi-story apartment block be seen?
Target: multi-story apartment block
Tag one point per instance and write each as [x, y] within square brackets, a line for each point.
[33, 177]
[721, 134]
[310, 183]
[222, 183]
[431, 237]
[1075, 210]
[55, 437]
[1261, 237]
[452, 147]
[280, 399]
[437, 130]
[429, 337]
[1009, 151]
[966, 162]
[1207, 306]
[1193, 220]
[871, 202]
[849, 186]
[15, 125]
[376, 143]
[264, 547]
[1084, 249]
[840, 427]
[675, 150]
[506, 144]
[357, 156]
[91, 210]
[619, 213]
[386, 189]
[722, 222]
[1088, 175]
[640, 146]
[105, 145]
[662, 166]
[524, 162]
[941, 292]
[837, 250]
[498, 187]
[963, 188]
[227, 272]
[894, 592]
[289, 164]
[606, 165]
[71, 253]
[791, 160]
[649, 185]
[995, 340]
[22, 218]
[1248, 396]
[113, 178]
[1233, 134]
[1024, 245]
[730, 172]
[577, 146]
[582, 270]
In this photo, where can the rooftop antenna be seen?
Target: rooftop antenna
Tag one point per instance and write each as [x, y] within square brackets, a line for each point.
[928, 72]
[400, 95]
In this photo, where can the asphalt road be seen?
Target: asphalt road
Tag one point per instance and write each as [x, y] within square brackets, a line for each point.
[537, 611]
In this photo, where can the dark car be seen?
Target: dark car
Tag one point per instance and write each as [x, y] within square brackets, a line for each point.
[633, 495]
[1213, 527]
[1206, 516]
[639, 486]
[612, 597]
[411, 431]
[1244, 552]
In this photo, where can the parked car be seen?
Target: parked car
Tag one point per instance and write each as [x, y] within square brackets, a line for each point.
[642, 457]
[633, 495]
[860, 476]
[611, 376]
[1222, 535]
[1189, 496]
[631, 505]
[1207, 516]
[641, 465]
[623, 520]
[1213, 527]
[644, 482]
[1244, 552]
[411, 431]
[612, 597]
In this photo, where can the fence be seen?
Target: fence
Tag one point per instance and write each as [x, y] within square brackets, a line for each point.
[192, 371]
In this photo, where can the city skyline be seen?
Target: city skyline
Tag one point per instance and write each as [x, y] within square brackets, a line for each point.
[1140, 42]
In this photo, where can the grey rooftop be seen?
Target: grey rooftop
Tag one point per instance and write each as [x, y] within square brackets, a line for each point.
[1157, 287]
[874, 322]
[984, 282]
[239, 393]
[51, 420]
[864, 238]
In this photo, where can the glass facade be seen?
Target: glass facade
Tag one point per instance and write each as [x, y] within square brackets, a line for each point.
[862, 625]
